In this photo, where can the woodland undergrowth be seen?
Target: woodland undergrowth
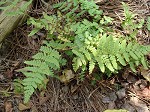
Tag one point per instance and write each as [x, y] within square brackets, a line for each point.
[80, 30]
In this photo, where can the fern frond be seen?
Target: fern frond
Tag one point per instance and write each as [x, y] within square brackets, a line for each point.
[104, 51]
[82, 6]
[58, 45]
[37, 70]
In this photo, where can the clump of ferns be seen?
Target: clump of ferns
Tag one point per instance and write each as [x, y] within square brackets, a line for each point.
[90, 41]
[108, 53]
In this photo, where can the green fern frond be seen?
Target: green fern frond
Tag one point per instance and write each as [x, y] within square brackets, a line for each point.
[77, 8]
[58, 45]
[37, 69]
[110, 56]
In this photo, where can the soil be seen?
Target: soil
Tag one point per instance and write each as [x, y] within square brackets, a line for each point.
[126, 90]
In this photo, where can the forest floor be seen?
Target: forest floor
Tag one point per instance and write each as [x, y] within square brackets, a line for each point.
[126, 90]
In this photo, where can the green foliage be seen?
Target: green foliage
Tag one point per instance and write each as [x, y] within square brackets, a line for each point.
[81, 31]
[18, 87]
[12, 6]
[129, 25]
[108, 53]
[77, 8]
[41, 66]
[148, 23]
[55, 25]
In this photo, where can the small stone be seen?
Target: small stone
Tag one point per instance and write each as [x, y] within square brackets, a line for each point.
[111, 105]
[106, 99]
[121, 93]
[113, 96]
[128, 107]
[65, 89]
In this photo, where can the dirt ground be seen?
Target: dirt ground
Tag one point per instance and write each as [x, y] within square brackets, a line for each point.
[125, 90]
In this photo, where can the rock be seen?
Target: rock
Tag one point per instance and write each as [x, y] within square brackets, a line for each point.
[111, 105]
[139, 105]
[106, 99]
[113, 96]
[121, 93]
[110, 98]
[128, 107]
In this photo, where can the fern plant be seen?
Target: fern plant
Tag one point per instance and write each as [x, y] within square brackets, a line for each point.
[148, 23]
[81, 28]
[130, 26]
[76, 8]
[109, 53]
[56, 26]
[41, 66]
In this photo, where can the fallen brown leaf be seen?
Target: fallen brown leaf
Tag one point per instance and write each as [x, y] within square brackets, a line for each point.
[67, 76]
[23, 107]
[121, 110]
[145, 74]
[8, 106]
[9, 73]
[146, 92]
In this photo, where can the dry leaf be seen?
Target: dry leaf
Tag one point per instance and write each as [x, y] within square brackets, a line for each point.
[145, 93]
[8, 106]
[24, 107]
[9, 73]
[67, 76]
[121, 110]
[42, 100]
[145, 74]
[99, 1]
